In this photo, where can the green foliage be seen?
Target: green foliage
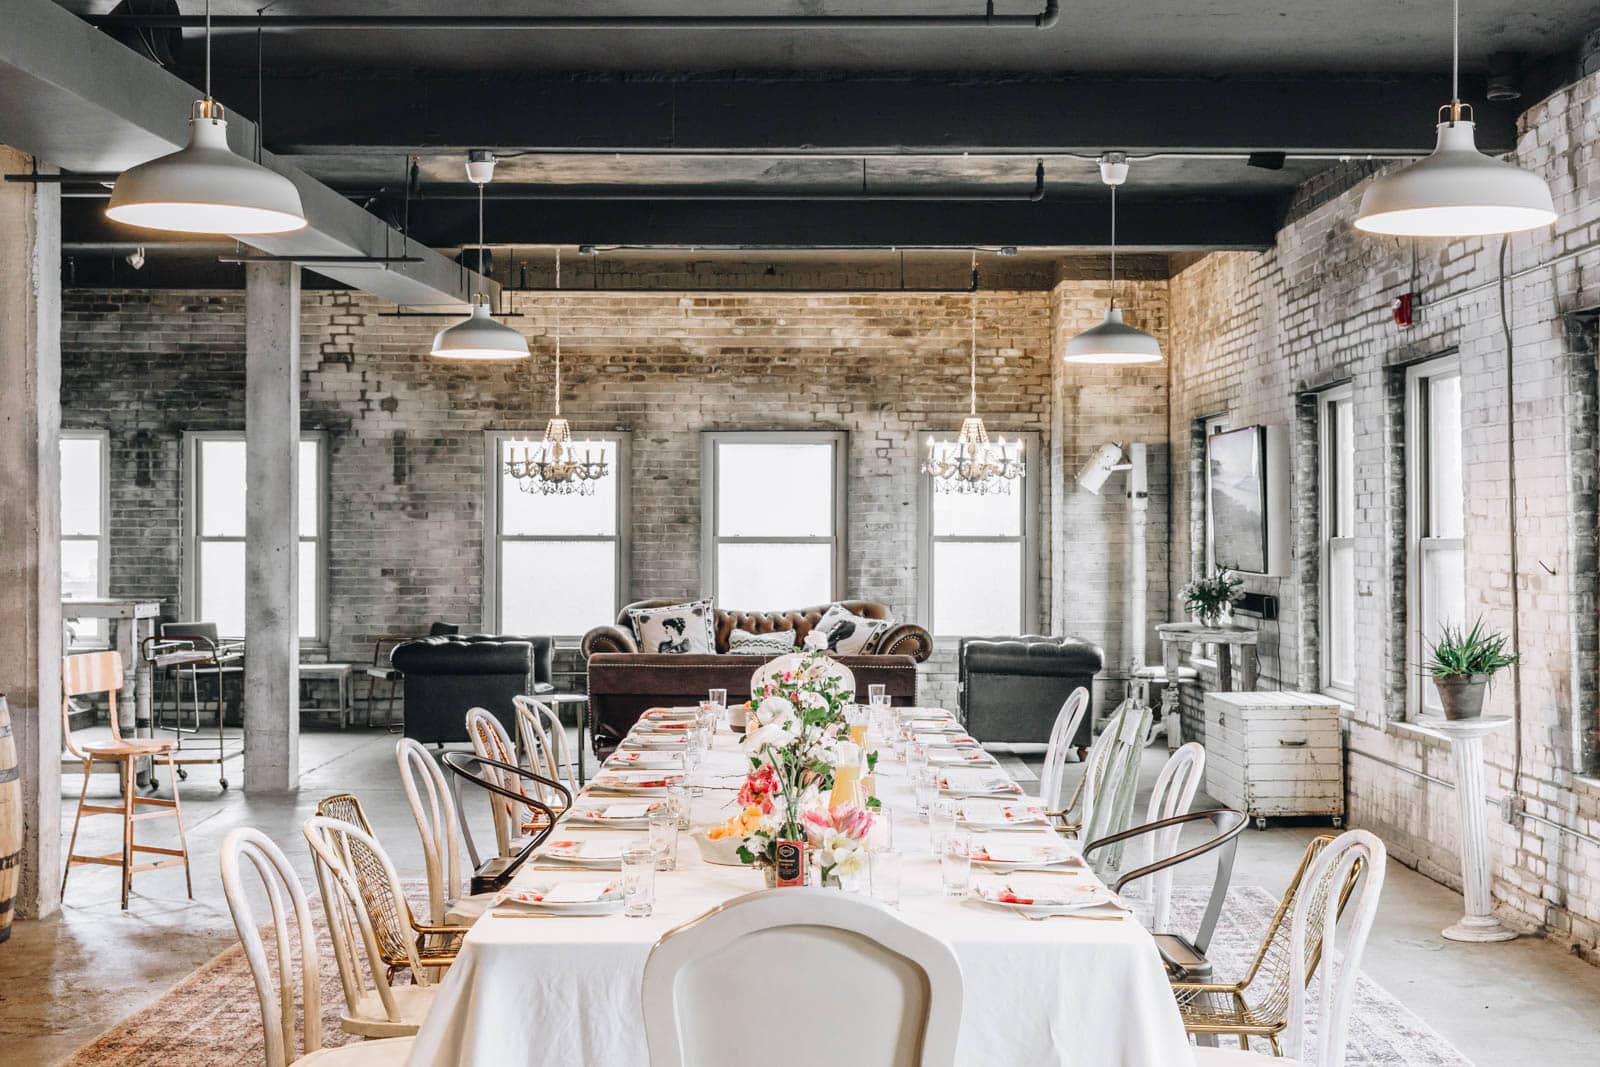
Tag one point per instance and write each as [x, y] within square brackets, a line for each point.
[1460, 651]
[1209, 597]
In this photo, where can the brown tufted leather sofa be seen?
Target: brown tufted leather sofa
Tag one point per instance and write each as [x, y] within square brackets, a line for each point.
[624, 682]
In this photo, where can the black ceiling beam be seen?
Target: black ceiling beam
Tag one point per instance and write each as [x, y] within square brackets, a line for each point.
[1354, 114]
[1154, 225]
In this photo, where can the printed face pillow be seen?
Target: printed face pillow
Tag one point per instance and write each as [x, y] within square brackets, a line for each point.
[677, 629]
[847, 634]
[745, 643]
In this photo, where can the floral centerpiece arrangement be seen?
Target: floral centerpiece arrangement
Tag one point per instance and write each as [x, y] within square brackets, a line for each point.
[1210, 598]
[796, 727]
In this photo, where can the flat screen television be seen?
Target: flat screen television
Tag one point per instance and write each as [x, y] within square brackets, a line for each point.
[1248, 491]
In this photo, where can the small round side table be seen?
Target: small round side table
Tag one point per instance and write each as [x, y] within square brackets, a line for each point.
[1466, 757]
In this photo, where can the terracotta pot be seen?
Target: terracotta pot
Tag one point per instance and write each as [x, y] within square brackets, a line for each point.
[1461, 695]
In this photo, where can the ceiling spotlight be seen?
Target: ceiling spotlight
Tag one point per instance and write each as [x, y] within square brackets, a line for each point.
[1457, 191]
[204, 187]
[479, 336]
[1113, 341]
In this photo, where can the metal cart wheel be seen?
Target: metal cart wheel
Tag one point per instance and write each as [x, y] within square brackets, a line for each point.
[1261, 822]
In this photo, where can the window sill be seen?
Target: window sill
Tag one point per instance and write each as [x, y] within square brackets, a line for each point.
[1412, 732]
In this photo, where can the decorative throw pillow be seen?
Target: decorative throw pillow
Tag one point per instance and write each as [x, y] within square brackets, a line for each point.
[745, 643]
[677, 629]
[847, 634]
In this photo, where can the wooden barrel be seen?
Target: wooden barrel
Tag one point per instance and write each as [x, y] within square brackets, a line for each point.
[10, 821]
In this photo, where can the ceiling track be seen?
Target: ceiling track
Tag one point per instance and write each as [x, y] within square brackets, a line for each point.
[1043, 19]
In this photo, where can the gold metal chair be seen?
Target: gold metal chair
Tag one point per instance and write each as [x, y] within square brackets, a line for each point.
[1257, 1005]
[402, 941]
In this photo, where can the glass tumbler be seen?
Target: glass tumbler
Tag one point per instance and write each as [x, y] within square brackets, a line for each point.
[941, 822]
[955, 865]
[885, 872]
[664, 839]
[927, 789]
[638, 882]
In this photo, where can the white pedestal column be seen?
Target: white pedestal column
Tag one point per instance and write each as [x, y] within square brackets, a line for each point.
[30, 517]
[272, 530]
[1466, 758]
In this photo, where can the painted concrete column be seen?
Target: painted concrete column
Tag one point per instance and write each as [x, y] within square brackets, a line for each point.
[30, 516]
[1466, 760]
[272, 533]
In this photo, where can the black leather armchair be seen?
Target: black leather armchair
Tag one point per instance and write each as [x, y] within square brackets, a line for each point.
[446, 675]
[1012, 687]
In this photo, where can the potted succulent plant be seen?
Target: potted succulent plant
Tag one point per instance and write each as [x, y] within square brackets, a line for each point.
[1463, 662]
[1208, 599]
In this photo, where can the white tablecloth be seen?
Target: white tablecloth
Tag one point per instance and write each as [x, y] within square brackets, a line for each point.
[564, 992]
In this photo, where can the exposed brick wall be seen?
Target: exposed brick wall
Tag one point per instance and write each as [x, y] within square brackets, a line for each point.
[1252, 332]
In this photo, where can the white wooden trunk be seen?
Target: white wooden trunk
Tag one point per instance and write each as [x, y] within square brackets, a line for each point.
[1273, 754]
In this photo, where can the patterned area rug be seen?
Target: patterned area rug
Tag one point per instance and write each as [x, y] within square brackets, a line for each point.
[212, 1019]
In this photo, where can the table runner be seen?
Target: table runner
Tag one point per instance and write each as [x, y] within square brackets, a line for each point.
[564, 992]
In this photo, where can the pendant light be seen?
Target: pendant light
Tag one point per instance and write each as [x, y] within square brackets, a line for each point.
[1457, 191]
[1113, 341]
[479, 335]
[204, 187]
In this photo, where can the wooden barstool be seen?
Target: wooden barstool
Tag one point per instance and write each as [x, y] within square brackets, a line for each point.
[101, 672]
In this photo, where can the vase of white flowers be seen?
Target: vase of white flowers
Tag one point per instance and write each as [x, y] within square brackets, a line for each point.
[1210, 600]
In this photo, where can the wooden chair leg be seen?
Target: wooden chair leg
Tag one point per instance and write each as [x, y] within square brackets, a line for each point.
[127, 829]
[183, 839]
[72, 843]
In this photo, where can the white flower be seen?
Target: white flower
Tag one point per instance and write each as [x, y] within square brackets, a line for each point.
[772, 708]
[844, 855]
[816, 641]
[777, 733]
[812, 700]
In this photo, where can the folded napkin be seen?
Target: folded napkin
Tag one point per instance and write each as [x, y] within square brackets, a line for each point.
[1006, 848]
[630, 809]
[1045, 890]
[998, 812]
[643, 758]
[977, 780]
[575, 892]
[582, 850]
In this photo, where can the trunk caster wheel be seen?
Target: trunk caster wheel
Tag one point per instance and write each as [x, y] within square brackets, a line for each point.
[1338, 822]
[224, 783]
[1261, 822]
[183, 775]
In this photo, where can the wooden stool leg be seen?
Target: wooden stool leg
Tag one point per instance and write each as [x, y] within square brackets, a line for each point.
[183, 840]
[127, 828]
[72, 843]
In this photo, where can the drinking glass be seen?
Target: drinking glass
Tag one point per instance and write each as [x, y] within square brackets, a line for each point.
[955, 865]
[719, 700]
[884, 868]
[877, 694]
[664, 840]
[927, 789]
[678, 805]
[916, 759]
[941, 822]
[638, 882]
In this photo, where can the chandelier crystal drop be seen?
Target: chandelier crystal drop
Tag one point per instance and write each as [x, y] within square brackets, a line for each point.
[972, 463]
[557, 465]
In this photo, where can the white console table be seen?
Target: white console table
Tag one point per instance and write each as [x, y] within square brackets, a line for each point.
[1466, 758]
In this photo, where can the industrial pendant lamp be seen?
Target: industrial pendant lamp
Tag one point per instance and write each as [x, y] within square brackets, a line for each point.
[479, 336]
[1113, 341]
[204, 187]
[1457, 191]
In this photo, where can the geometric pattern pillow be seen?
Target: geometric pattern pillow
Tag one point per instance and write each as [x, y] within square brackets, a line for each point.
[677, 629]
[745, 643]
[848, 634]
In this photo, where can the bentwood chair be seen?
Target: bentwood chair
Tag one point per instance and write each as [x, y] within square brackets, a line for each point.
[375, 1006]
[1355, 862]
[402, 942]
[491, 742]
[433, 807]
[543, 741]
[900, 1007]
[1258, 1004]
[101, 673]
[1184, 954]
[277, 999]
[1062, 736]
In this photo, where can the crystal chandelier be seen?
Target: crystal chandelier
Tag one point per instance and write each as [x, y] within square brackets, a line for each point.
[972, 463]
[557, 465]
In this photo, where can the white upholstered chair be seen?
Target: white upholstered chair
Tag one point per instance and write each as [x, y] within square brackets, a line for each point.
[287, 898]
[1316, 935]
[791, 661]
[543, 742]
[1053, 775]
[889, 993]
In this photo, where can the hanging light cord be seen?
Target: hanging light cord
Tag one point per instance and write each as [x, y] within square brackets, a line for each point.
[208, 54]
[558, 331]
[1113, 247]
[972, 368]
[1455, 60]
[480, 239]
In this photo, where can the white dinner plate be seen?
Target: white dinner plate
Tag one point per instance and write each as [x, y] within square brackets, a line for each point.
[533, 898]
[597, 814]
[982, 813]
[1067, 897]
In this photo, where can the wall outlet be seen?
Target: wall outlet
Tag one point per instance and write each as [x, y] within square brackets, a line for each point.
[1511, 809]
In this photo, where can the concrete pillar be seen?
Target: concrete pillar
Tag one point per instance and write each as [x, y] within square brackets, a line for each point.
[271, 585]
[30, 516]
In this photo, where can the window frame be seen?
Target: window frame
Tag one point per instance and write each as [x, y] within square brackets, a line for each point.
[1028, 538]
[102, 538]
[839, 440]
[189, 593]
[1329, 449]
[494, 540]
[1418, 457]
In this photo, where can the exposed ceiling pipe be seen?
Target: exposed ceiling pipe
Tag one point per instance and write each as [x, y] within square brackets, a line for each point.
[1042, 19]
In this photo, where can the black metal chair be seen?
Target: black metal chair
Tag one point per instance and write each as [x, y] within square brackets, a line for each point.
[496, 872]
[1185, 956]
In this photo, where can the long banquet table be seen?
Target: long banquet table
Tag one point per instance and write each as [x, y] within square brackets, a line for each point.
[564, 991]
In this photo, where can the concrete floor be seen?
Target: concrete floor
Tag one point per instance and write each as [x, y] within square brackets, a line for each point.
[64, 980]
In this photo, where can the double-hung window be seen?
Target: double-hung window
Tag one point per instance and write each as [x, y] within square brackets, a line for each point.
[1336, 518]
[555, 563]
[773, 518]
[214, 516]
[85, 571]
[1435, 553]
[979, 558]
